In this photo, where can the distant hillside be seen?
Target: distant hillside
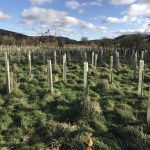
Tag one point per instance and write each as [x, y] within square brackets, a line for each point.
[131, 40]
[9, 37]
[10, 33]
[130, 36]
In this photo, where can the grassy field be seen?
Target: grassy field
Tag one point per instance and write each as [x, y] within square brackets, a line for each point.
[113, 116]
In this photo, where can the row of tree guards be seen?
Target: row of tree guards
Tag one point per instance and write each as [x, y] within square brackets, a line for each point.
[101, 53]
[94, 66]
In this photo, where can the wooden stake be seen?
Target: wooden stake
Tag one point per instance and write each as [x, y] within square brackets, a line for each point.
[117, 59]
[140, 84]
[135, 64]
[148, 109]
[111, 69]
[8, 76]
[102, 53]
[142, 55]
[50, 79]
[64, 67]
[92, 59]
[55, 60]
[96, 56]
[85, 79]
[18, 55]
[29, 62]
[85, 56]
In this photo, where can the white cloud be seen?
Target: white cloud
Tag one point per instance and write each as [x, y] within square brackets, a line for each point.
[122, 2]
[56, 20]
[93, 2]
[40, 2]
[3, 16]
[130, 31]
[116, 20]
[75, 5]
[125, 19]
[136, 12]
[91, 26]
[80, 7]
[145, 1]
[139, 9]
[146, 25]
[53, 17]
[143, 29]
[113, 34]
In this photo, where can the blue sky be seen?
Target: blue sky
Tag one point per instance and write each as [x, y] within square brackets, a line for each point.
[94, 19]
